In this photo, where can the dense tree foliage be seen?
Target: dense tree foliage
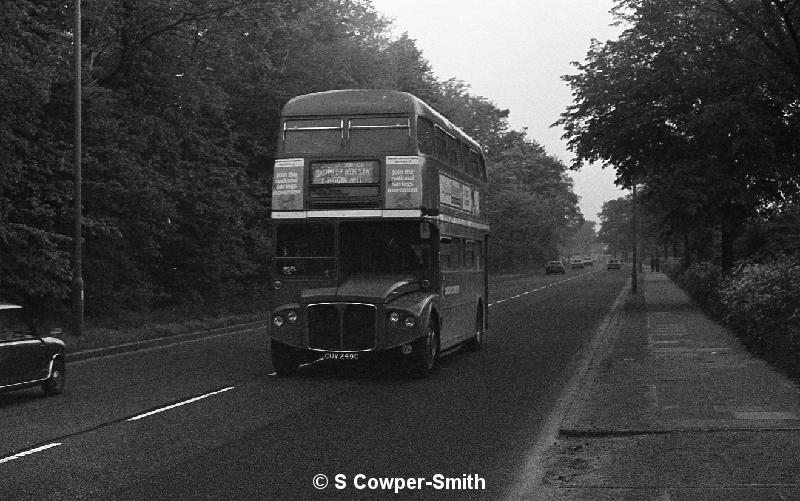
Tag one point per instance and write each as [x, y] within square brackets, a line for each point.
[699, 102]
[181, 99]
[616, 230]
[533, 206]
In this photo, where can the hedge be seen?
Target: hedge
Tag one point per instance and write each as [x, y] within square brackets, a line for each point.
[758, 301]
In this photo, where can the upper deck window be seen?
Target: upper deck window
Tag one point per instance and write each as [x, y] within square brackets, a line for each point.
[425, 136]
[379, 133]
[474, 164]
[323, 135]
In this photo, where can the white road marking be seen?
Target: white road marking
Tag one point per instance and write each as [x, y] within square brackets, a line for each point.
[29, 452]
[162, 409]
[536, 290]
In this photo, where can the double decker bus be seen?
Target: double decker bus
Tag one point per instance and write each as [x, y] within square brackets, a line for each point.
[380, 231]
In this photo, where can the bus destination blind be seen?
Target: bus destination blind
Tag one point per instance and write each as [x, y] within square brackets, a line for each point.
[363, 172]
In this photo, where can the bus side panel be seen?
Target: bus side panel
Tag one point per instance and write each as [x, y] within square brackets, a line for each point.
[455, 305]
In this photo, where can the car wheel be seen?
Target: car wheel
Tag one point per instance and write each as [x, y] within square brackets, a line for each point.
[285, 359]
[54, 385]
[424, 352]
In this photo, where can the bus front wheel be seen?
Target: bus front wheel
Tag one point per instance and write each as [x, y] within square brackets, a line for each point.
[285, 359]
[424, 352]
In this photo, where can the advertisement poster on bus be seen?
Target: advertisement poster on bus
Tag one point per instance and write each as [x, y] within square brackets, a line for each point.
[287, 188]
[403, 182]
[459, 195]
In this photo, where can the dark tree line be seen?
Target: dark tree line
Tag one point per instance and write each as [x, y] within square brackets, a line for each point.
[181, 100]
[698, 102]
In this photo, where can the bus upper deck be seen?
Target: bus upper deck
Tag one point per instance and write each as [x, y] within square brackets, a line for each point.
[383, 153]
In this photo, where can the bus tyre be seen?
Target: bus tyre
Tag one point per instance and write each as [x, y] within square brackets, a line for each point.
[424, 352]
[285, 359]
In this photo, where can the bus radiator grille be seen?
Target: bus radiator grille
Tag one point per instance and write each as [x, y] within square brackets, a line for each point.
[349, 327]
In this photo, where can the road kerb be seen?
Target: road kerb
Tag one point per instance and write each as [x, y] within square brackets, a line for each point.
[529, 480]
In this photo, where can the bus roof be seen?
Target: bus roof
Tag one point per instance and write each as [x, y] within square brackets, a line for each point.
[368, 101]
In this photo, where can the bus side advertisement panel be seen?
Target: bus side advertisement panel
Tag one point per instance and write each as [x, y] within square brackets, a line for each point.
[459, 195]
[403, 182]
[287, 186]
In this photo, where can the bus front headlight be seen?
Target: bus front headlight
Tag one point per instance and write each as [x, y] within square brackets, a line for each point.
[410, 321]
[277, 320]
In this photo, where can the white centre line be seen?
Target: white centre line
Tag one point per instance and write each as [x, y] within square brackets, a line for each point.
[29, 452]
[162, 409]
[537, 290]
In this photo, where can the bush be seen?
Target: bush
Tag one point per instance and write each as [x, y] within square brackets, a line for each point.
[757, 301]
[672, 267]
[762, 306]
[701, 281]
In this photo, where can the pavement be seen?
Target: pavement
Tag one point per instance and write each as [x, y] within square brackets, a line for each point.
[673, 407]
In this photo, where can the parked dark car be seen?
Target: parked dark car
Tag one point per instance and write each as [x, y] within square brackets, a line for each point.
[27, 359]
[554, 267]
[577, 264]
[613, 264]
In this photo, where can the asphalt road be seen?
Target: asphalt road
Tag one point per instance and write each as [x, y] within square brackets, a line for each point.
[207, 420]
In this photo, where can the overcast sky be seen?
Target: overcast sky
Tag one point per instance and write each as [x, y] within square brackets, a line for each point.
[514, 52]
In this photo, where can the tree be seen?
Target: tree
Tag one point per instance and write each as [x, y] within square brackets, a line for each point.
[533, 207]
[668, 107]
[616, 225]
[35, 181]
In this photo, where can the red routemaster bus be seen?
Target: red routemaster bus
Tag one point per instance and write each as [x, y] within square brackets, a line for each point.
[380, 231]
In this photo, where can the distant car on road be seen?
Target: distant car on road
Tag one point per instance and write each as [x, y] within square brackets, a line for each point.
[614, 264]
[588, 262]
[27, 359]
[577, 264]
[554, 267]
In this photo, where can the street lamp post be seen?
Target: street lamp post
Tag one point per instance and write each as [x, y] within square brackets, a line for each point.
[77, 271]
[634, 268]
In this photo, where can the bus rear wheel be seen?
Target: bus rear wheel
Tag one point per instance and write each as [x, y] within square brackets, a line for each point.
[424, 352]
[285, 359]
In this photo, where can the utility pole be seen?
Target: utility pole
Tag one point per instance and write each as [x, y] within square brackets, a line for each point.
[77, 269]
[634, 268]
